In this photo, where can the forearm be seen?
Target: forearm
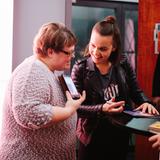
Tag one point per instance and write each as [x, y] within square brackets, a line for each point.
[90, 110]
[62, 113]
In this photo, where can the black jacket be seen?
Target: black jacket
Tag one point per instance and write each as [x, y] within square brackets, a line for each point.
[85, 78]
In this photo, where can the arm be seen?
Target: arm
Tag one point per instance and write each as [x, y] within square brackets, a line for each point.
[136, 93]
[78, 77]
[32, 101]
[62, 113]
[88, 108]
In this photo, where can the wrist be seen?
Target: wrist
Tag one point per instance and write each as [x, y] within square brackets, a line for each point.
[100, 110]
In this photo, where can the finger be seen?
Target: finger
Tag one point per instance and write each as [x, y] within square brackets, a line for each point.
[119, 103]
[113, 99]
[136, 109]
[117, 110]
[152, 138]
[144, 108]
[154, 111]
[150, 110]
[116, 105]
[139, 108]
[157, 112]
[68, 95]
[83, 96]
[155, 145]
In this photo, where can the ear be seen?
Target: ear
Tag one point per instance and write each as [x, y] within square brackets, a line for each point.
[50, 51]
[113, 49]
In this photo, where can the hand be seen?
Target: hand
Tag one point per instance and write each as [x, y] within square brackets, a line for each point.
[62, 113]
[155, 140]
[147, 108]
[113, 107]
[72, 104]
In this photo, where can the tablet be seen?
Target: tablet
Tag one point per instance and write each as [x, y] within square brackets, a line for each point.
[138, 113]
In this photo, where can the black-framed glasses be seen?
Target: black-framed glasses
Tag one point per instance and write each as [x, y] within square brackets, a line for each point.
[72, 54]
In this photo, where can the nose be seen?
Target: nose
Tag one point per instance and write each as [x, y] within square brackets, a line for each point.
[70, 57]
[96, 51]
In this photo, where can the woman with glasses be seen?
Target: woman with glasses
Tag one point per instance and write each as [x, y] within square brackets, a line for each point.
[39, 122]
[111, 86]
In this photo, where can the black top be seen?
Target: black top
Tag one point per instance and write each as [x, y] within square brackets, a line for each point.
[89, 114]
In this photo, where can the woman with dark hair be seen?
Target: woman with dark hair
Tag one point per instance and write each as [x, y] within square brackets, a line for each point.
[111, 86]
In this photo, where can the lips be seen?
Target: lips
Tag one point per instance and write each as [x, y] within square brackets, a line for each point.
[96, 57]
[68, 63]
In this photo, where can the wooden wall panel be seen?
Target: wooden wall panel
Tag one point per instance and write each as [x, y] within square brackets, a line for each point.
[149, 14]
[143, 149]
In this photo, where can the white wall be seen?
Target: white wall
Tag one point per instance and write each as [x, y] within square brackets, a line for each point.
[29, 15]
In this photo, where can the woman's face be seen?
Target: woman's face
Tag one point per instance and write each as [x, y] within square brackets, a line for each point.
[100, 47]
[61, 60]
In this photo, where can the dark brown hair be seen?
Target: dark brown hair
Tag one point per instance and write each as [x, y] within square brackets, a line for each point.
[109, 27]
[53, 35]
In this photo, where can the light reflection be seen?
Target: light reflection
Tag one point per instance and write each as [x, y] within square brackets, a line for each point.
[6, 33]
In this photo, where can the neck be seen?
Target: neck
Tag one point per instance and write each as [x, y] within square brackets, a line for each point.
[44, 60]
[104, 67]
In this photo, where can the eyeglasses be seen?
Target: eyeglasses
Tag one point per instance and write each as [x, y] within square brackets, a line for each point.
[72, 54]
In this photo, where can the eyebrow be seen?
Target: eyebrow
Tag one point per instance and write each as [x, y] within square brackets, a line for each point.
[99, 46]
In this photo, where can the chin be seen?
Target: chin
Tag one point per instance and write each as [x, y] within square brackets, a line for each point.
[96, 61]
[67, 66]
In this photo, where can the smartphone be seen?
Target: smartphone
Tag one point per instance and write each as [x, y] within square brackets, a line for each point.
[68, 85]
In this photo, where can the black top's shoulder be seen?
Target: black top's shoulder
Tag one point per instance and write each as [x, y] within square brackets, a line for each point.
[125, 64]
[124, 59]
[81, 61]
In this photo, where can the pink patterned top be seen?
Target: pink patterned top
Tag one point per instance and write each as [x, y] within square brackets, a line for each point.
[32, 93]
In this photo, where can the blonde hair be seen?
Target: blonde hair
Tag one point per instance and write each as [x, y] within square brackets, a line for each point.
[53, 35]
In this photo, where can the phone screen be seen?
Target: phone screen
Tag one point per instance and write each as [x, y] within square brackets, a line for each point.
[67, 84]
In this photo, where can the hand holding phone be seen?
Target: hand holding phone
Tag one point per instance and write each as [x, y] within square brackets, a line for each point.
[68, 85]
